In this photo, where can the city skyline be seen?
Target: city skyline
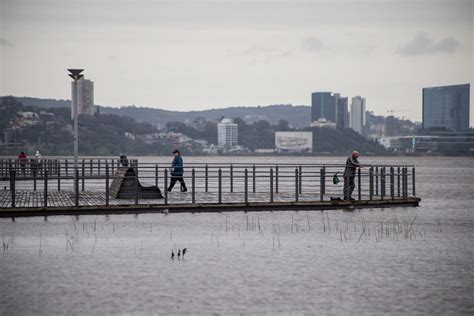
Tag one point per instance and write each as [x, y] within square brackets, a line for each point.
[194, 55]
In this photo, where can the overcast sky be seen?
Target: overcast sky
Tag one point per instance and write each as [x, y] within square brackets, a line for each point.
[191, 55]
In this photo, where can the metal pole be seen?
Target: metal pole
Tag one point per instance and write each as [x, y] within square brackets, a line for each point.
[324, 180]
[413, 181]
[271, 185]
[66, 167]
[156, 175]
[193, 185]
[220, 185]
[106, 185]
[392, 183]
[382, 183]
[296, 185]
[165, 188]
[98, 167]
[136, 185]
[276, 179]
[231, 178]
[34, 170]
[59, 178]
[76, 187]
[12, 187]
[300, 177]
[371, 183]
[376, 180]
[75, 100]
[83, 176]
[253, 179]
[45, 188]
[359, 184]
[398, 181]
[113, 165]
[91, 167]
[206, 179]
[246, 185]
[321, 184]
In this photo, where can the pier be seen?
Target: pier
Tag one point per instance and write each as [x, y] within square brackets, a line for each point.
[46, 187]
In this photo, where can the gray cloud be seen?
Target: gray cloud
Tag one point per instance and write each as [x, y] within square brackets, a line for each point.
[423, 44]
[4, 42]
[312, 44]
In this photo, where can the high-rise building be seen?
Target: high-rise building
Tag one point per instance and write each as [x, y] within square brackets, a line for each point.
[358, 114]
[227, 133]
[323, 105]
[391, 126]
[446, 107]
[342, 113]
[85, 96]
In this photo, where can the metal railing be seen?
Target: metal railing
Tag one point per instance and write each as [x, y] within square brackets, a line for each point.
[50, 182]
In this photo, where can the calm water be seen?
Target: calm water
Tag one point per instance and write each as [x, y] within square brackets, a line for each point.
[395, 261]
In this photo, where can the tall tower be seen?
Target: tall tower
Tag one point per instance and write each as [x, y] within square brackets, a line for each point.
[358, 114]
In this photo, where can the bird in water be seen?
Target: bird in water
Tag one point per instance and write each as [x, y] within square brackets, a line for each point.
[184, 251]
[179, 253]
[172, 254]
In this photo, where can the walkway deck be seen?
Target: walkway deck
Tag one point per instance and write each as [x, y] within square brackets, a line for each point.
[31, 203]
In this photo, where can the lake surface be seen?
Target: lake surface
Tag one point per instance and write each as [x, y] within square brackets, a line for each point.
[372, 261]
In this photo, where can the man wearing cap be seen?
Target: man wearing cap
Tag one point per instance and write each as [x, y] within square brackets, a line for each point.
[349, 174]
[177, 172]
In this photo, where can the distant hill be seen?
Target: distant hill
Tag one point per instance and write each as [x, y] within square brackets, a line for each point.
[297, 116]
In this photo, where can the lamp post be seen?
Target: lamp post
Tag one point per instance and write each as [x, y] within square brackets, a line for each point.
[75, 74]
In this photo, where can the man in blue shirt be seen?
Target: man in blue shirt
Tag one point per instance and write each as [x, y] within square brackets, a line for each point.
[177, 172]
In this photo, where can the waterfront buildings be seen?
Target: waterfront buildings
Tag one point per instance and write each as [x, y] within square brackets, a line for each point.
[227, 133]
[357, 114]
[446, 107]
[294, 141]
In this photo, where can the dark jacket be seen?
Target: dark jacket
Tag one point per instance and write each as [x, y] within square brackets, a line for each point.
[177, 166]
[351, 165]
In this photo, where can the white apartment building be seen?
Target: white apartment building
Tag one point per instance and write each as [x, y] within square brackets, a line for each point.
[227, 133]
[357, 114]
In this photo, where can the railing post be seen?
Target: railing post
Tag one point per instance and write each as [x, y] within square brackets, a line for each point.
[156, 175]
[13, 187]
[324, 179]
[45, 188]
[321, 184]
[300, 178]
[371, 183]
[107, 184]
[231, 178]
[413, 181]
[253, 179]
[246, 185]
[34, 171]
[405, 185]
[76, 193]
[98, 167]
[392, 183]
[271, 185]
[359, 184]
[220, 185]
[206, 179]
[296, 185]
[113, 167]
[398, 181]
[382, 183]
[193, 185]
[165, 188]
[136, 185]
[376, 180]
[91, 167]
[66, 167]
[83, 175]
[58, 171]
[276, 179]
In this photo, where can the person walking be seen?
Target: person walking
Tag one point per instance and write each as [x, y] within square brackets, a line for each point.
[349, 175]
[177, 172]
[22, 159]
